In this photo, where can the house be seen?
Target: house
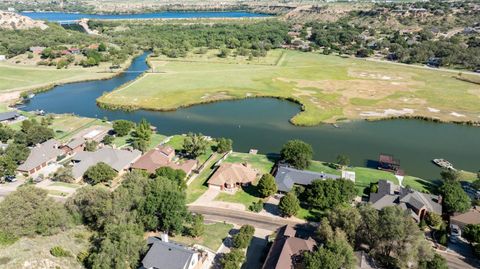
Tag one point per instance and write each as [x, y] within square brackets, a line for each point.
[37, 50]
[119, 160]
[40, 156]
[287, 249]
[165, 254]
[416, 203]
[470, 217]
[163, 156]
[286, 177]
[9, 116]
[231, 175]
[74, 146]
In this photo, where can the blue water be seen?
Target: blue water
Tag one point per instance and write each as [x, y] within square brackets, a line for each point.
[263, 124]
[61, 16]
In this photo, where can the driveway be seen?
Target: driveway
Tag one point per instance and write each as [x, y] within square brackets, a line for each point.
[9, 187]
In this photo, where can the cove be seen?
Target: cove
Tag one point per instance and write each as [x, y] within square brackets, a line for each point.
[63, 16]
[263, 124]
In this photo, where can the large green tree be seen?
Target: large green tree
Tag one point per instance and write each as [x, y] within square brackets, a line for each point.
[176, 175]
[195, 145]
[454, 197]
[243, 237]
[266, 185]
[92, 206]
[101, 172]
[224, 145]
[28, 211]
[297, 153]
[334, 254]
[326, 194]
[122, 127]
[347, 219]
[233, 259]
[289, 204]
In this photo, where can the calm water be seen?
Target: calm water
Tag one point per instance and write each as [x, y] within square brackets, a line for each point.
[61, 16]
[263, 124]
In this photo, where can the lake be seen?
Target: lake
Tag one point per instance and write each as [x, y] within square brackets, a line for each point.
[263, 124]
[62, 16]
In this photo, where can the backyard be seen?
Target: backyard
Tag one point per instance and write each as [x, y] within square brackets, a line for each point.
[322, 84]
[212, 238]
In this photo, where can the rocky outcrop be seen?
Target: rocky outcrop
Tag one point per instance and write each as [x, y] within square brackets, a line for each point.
[14, 21]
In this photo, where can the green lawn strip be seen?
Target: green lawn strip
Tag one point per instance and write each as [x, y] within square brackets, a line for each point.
[121, 141]
[67, 185]
[322, 167]
[365, 176]
[212, 238]
[176, 142]
[246, 196]
[197, 187]
[309, 214]
[258, 161]
[419, 184]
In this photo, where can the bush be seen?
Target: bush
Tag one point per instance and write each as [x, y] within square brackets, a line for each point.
[82, 256]
[7, 239]
[58, 251]
[289, 205]
[100, 172]
[256, 206]
[243, 237]
[267, 186]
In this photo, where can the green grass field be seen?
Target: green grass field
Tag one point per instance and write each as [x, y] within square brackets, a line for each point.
[330, 88]
[260, 162]
[15, 77]
[213, 237]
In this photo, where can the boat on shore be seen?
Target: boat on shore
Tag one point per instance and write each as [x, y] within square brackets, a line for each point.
[443, 164]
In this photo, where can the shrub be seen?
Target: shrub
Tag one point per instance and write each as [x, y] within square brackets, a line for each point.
[82, 256]
[256, 206]
[58, 251]
[7, 239]
[243, 237]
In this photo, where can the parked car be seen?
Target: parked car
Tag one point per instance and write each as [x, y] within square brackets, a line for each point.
[10, 179]
[455, 233]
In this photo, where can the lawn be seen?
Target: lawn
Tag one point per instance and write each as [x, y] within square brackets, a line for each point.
[212, 238]
[36, 250]
[197, 187]
[15, 77]
[261, 162]
[67, 185]
[246, 196]
[128, 139]
[330, 88]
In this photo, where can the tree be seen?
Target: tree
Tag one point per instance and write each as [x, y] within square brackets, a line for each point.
[143, 131]
[335, 253]
[17, 152]
[176, 175]
[195, 145]
[118, 247]
[28, 211]
[347, 219]
[63, 174]
[297, 153]
[108, 140]
[35, 133]
[343, 160]
[438, 262]
[8, 167]
[267, 186]
[326, 194]
[471, 232]
[91, 206]
[224, 145]
[122, 127]
[433, 219]
[101, 172]
[233, 259]
[243, 237]
[6, 133]
[140, 144]
[197, 226]
[449, 175]
[454, 198]
[289, 205]
[164, 206]
[91, 145]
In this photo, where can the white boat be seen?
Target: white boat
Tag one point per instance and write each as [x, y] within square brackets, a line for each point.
[443, 163]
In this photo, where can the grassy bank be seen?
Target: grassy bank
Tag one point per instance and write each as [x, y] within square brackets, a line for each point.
[329, 88]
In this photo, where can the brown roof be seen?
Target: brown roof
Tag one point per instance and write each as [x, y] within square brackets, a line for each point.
[470, 217]
[285, 247]
[232, 173]
[162, 156]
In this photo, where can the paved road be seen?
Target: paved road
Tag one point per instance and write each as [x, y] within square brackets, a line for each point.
[456, 262]
[242, 217]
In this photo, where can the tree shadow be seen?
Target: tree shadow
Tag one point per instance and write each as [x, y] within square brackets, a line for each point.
[251, 190]
[372, 164]
[272, 209]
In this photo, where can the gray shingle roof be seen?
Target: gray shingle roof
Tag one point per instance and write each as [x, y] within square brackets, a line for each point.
[115, 158]
[286, 177]
[76, 142]
[167, 255]
[40, 154]
[8, 115]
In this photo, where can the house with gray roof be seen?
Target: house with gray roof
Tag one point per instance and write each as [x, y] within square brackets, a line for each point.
[8, 116]
[119, 160]
[40, 156]
[286, 177]
[416, 203]
[165, 254]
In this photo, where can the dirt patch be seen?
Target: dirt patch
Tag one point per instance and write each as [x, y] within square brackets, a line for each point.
[388, 112]
[9, 96]
[373, 75]
[458, 115]
[215, 96]
[433, 110]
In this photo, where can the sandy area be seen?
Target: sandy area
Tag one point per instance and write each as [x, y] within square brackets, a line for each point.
[458, 115]
[388, 113]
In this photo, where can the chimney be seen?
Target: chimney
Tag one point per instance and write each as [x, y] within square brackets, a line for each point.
[164, 237]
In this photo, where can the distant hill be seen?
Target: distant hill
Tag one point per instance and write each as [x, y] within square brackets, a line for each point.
[14, 21]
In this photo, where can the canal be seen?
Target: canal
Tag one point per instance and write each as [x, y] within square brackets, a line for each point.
[263, 124]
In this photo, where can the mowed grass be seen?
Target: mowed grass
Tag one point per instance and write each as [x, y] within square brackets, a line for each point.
[260, 162]
[330, 88]
[14, 77]
[212, 238]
